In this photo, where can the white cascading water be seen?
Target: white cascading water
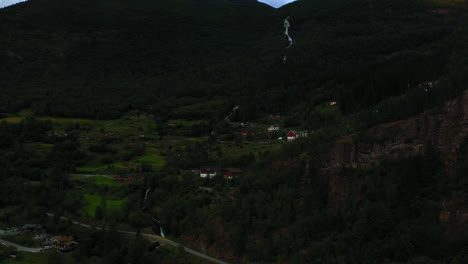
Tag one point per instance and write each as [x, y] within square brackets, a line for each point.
[286, 26]
[228, 117]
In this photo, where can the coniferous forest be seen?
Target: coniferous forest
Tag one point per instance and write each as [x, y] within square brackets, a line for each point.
[185, 131]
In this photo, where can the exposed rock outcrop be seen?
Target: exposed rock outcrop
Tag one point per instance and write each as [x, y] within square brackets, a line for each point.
[444, 129]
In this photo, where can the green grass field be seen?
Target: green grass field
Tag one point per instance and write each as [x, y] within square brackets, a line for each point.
[28, 258]
[91, 169]
[95, 200]
[143, 124]
[114, 204]
[152, 157]
[105, 181]
[98, 180]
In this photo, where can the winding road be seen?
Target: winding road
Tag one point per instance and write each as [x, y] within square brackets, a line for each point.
[92, 175]
[19, 247]
[157, 238]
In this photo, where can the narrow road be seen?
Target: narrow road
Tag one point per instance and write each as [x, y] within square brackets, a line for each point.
[8, 233]
[93, 175]
[157, 238]
[21, 248]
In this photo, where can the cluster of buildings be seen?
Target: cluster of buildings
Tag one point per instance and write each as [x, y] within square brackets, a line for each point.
[251, 129]
[37, 231]
[62, 243]
[213, 171]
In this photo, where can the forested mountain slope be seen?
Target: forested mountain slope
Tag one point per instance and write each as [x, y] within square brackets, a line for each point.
[376, 88]
[85, 56]
[81, 58]
[395, 193]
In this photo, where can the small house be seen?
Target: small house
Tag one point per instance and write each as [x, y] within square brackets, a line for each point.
[291, 135]
[273, 128]
[64, 244]
[209, 171]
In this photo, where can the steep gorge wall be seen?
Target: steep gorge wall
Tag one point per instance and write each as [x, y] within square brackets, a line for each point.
[444, 129]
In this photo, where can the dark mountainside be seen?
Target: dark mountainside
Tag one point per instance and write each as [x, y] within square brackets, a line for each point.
[98, 52]
[379, 86]
[152, 52]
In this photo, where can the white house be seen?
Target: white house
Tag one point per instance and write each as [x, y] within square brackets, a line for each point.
[273, 128]
[209, 171]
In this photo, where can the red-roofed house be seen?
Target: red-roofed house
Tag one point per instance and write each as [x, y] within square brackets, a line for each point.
[291, 135]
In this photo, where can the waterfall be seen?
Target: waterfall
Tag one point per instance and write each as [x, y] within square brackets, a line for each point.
[161, 231]
[146, 193]
[228, 117]
[286, 26]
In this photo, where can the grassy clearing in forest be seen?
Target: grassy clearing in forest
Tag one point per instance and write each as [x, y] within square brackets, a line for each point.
[114, 204]
[152, 157]
[105, 181]
[95, 200]
[91, 169]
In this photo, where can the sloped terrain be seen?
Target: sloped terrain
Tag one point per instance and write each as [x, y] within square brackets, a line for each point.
[81, 58]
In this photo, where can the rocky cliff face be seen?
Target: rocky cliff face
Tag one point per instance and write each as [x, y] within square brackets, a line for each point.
[444, 129]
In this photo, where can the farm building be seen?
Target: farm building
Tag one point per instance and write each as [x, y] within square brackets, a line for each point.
[209, 171]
